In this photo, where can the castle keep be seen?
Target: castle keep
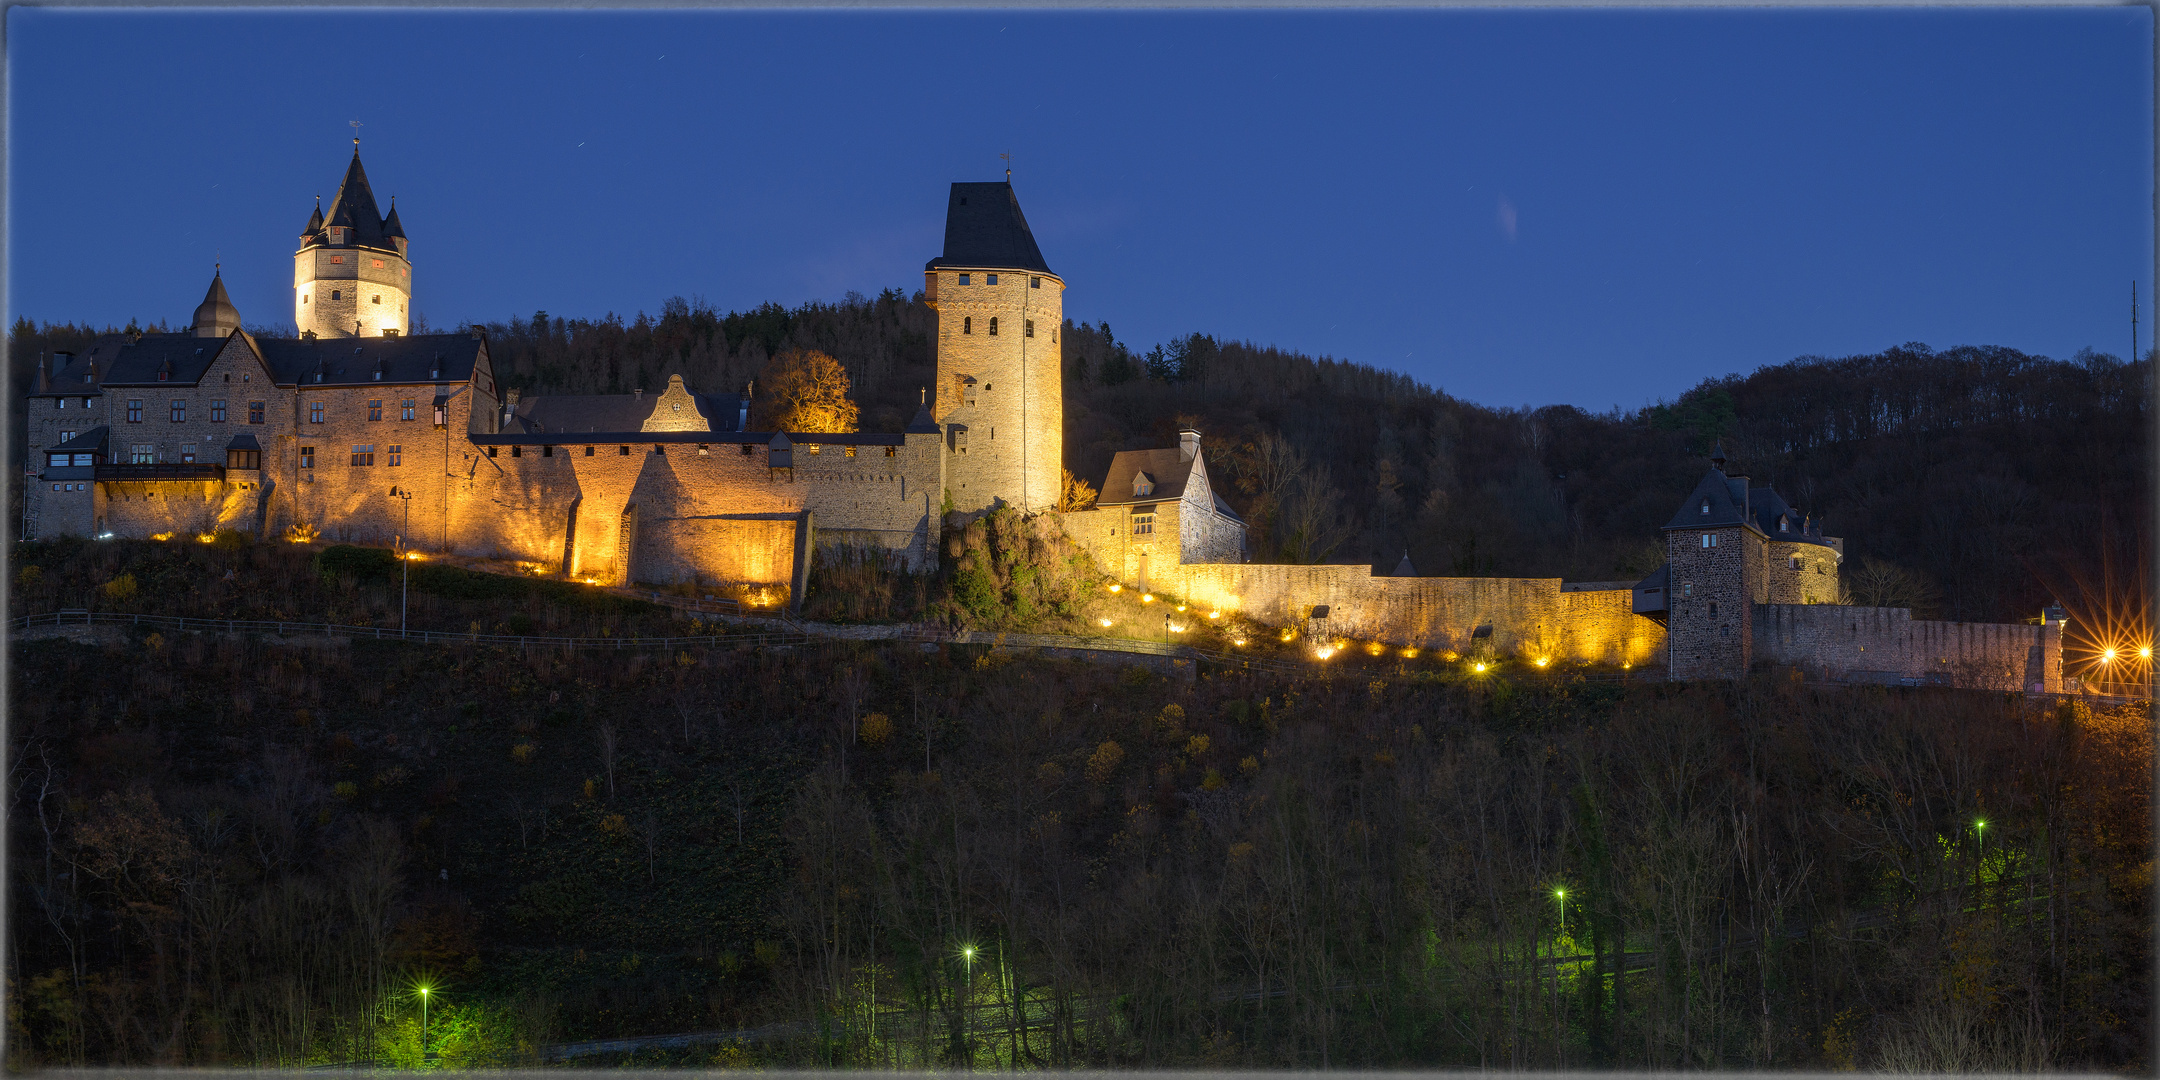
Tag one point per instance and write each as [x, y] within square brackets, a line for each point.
[358, 430]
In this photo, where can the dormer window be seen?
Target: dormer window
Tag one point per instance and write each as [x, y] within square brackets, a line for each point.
[1783, 525]
[1706, 506]
[1142, 485]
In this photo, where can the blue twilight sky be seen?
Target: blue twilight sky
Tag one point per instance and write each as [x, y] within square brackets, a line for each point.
[1585, 207]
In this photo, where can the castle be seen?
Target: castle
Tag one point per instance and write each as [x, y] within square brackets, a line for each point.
[358, 430]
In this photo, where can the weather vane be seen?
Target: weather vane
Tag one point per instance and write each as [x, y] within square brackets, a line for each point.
[355, 133]
[1006, 157]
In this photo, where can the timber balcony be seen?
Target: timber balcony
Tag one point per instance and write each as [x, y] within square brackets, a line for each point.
[195, 470]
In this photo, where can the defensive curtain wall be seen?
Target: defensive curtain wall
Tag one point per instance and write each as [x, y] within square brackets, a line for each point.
[1870, 644]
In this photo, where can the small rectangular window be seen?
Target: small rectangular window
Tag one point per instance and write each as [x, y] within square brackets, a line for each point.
[442, 416]
[217, 412]
[1028, 330]
[241, 459]
[1709, 540]
[314, 412]
[815, 449]
[622, 451]
[395, 455]
[187, 453]
[405, 409]
[491, 451]
[547, 451]
[374, 410]
[135, 411]
[746, 450]
[55, 461]
[1143, 523]
[851, 451]
[892, 451]
[363, 454]
[83, 459]
[1034, 282]
[588, 451]
[255, 412]
[62, 401]
[142, 453]
[307, 457]
[517, 451]
[989, 279]
[963, 279]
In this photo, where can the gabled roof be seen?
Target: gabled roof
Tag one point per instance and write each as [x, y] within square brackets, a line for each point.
[1223, 508]
[181, 357]
[1726, 498]
[1168, 467]
[427, 358]
[354, 206]
[87, 442]
[581, 414]
[984, 228]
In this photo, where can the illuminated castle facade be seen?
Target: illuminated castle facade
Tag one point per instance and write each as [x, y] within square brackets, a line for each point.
[358, 430]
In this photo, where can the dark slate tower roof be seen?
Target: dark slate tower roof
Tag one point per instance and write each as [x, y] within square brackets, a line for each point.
[985, 229]
[314, 221]
[216, 316]
[1726, 498]
[354, 207]
[390, 226]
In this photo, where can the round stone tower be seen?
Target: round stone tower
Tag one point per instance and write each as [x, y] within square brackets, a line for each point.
[1000, 397]
[351, 276]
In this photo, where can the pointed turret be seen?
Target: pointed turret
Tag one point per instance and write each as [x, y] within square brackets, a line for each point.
[1403, 568]
[390, 226]
[354, 207]
[314, 222]
[215, 316]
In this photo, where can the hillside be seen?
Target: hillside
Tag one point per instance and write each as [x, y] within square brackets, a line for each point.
[250, 851]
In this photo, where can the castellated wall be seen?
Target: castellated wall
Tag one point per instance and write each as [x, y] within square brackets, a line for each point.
[661, 512]
[1012, 412]
[1879, 644]
[1528, 617]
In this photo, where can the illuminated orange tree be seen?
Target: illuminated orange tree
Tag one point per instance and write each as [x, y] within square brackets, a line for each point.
[804, 390]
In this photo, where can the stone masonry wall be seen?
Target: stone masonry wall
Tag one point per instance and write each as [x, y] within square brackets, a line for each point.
[1528, 617]
[349, 500]
[1711, 600]
[1837, 643]
[352, 274]
[1814, 582]
[1013, 412]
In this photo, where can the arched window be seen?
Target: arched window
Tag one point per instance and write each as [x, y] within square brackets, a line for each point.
[993, 326]
[967, 324]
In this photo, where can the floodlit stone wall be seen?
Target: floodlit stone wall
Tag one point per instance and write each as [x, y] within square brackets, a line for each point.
[1003, 391]
[335, 287]
[1814, 580]
[1883, 644]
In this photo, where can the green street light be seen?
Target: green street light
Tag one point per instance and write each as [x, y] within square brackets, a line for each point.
[1561, 894]
[424, 990]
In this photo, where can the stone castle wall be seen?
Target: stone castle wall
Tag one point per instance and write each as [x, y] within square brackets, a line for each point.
[1012, 412]
[1710, 598]
[1527, 617]
[352, 274]
[1861, 643]
[1814, 581]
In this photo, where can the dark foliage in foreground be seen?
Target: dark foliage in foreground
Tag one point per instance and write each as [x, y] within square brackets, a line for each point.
[243, 852]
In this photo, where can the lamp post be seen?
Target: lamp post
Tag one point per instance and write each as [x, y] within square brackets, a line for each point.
[1561, 894]
[1166, 629]
[424, 1055]
[404, 582]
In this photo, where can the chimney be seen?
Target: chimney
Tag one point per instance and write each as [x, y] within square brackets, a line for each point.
[62, 360]
[1188, 444]
[510, 403]
[44, 377]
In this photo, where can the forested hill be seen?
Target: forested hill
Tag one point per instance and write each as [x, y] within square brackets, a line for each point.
[1973, 483]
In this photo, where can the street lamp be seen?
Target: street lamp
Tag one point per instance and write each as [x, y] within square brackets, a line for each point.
[424, 990]
[1166, 629]
[404, 583]
[1562, 895]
